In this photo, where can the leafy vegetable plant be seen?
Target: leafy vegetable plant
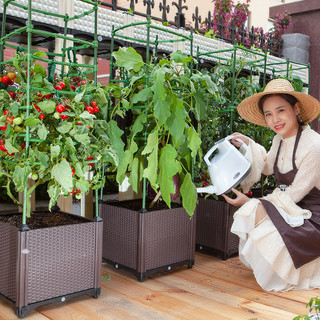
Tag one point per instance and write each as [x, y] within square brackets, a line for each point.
[168, 99]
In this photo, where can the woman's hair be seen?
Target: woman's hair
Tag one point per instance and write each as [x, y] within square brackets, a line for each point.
[288, 97]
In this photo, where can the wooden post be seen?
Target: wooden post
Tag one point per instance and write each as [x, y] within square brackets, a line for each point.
[65, 204]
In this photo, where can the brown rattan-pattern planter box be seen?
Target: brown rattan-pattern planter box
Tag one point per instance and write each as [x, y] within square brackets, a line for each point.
[46, 265]
[147, 242]
[214, 220]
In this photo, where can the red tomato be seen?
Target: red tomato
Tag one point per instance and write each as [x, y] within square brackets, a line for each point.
[64, 116]
[57, 87]
[10, 119]
[41, 116]
[37, 108]
[89, 109]
[61, 84]
[5, 80]
[73, 87]
[3, 148]
[5, 112]
[93, 104]
[96, 109]
[60, 108]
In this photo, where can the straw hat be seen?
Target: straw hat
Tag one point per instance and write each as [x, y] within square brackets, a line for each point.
[249, 107]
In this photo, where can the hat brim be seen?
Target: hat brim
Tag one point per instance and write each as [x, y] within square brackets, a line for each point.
[249, 110]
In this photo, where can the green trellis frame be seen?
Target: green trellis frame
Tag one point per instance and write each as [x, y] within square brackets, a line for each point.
[260, 61]
[51, 60]
[149, 43]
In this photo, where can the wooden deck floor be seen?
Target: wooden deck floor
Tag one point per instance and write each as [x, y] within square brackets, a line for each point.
[213, 289]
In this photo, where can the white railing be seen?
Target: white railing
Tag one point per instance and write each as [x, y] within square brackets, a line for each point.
[108, 18]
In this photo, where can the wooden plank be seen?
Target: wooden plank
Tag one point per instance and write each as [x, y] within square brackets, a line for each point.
[212, 289]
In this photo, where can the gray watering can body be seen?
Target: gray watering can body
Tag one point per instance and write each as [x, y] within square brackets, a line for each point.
[227, 168]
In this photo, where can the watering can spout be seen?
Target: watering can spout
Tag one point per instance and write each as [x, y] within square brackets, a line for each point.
[209, 189]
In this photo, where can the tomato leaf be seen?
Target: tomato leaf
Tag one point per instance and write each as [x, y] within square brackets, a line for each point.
[61, 172]
[31, 121]
[64, 127]
[82, 138]
[42, 132]
[20, 177]
[47, 106]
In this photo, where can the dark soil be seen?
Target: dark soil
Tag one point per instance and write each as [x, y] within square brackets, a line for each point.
[136, 205]
[45, 219]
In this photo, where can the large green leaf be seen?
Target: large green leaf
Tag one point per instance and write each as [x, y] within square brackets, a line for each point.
[142, 95]
[138, 124]
[189, 194]
[127, 159]
[168, 167]
[136, 174]
[152, 142]
[20, 177]
[129, 59]
[151, 172]
[176, 122]
[162, 110]
[115, 133]
[194, 141]
[61, 172]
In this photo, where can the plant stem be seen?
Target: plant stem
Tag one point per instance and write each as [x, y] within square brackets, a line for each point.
[15, 201]
[156, 198]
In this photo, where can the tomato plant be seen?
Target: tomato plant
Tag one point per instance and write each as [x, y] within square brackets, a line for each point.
[45, 142]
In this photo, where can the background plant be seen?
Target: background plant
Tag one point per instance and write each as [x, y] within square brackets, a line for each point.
[168, 99]
[226, 12]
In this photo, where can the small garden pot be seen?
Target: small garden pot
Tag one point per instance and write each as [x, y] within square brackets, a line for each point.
[51, 264]
[214, 220]
[147, 242]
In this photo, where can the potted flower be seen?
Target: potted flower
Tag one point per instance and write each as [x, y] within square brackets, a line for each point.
[53, 131]
[167, 99]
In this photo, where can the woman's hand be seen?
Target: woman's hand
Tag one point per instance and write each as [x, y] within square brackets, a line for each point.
[237, 135]
[240, 200]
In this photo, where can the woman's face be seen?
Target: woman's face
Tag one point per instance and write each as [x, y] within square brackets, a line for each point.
[280, 116]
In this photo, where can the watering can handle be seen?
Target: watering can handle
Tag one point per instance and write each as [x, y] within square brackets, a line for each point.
[243, 143]
[209, 153]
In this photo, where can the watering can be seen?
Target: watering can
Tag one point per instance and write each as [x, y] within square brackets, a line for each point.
[227, 168]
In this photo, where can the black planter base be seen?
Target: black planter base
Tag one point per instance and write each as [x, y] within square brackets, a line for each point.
[141, 276]
[21, 312]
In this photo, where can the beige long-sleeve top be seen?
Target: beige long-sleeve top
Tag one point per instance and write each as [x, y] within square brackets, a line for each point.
[307, 161]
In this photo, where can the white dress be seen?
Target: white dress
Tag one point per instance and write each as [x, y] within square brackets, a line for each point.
[261, 247]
